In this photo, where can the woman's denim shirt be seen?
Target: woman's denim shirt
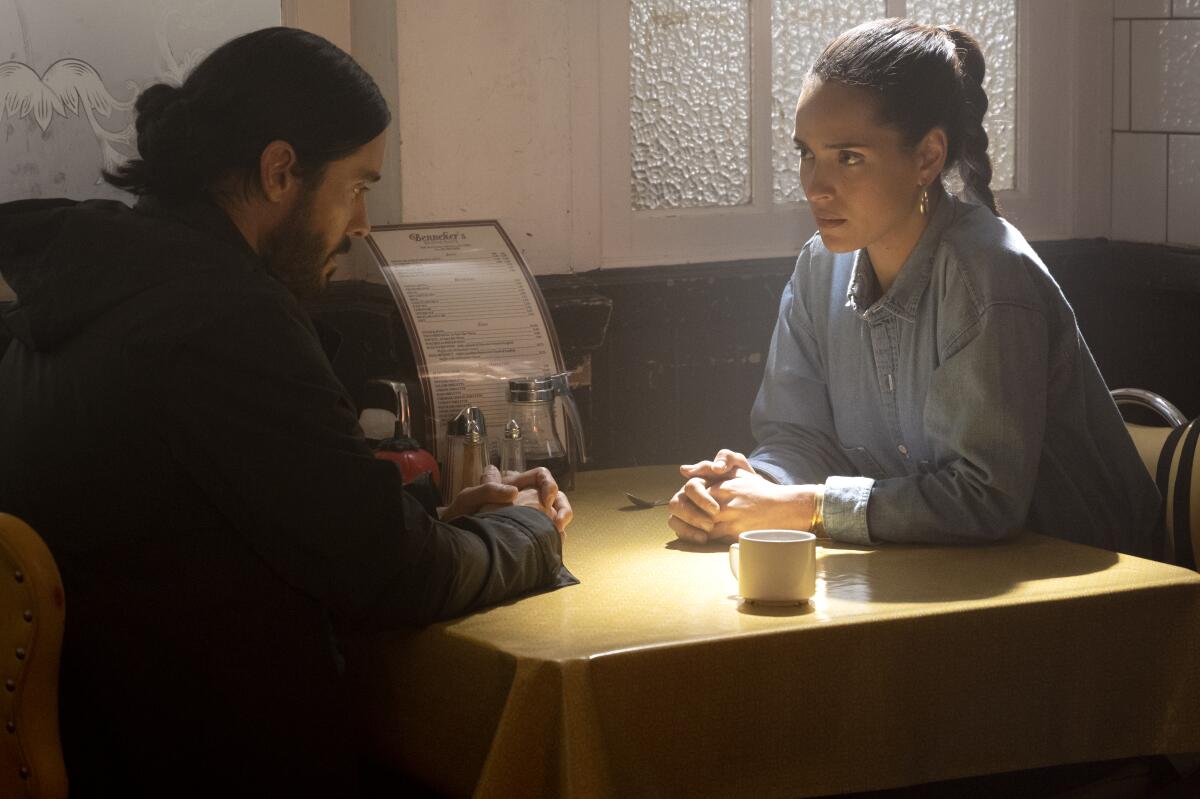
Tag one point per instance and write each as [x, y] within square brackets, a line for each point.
[961, 405]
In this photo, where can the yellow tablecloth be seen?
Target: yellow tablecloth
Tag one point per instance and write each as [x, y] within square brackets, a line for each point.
[911, 664]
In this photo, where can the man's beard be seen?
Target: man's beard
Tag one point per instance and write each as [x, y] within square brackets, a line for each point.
[295, 252]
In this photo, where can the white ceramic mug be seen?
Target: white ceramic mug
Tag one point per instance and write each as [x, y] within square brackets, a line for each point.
[775, 566]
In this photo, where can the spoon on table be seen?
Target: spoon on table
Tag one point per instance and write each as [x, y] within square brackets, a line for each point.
[646, 503]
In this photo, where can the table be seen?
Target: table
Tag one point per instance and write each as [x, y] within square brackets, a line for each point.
[911, 664]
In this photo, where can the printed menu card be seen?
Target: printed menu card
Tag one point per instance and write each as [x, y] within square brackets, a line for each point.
[474, 314]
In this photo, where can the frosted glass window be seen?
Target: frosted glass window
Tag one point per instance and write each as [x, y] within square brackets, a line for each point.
[994, 24]
[690, 103]
[800, 29]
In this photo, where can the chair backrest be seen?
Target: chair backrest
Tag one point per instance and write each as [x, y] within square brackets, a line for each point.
[1178, 476]
[32, 609]
[1173, 459]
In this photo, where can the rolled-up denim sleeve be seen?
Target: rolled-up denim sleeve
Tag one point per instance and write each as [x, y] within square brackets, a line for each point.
[792, 420]
[985, 416]
[846, 500]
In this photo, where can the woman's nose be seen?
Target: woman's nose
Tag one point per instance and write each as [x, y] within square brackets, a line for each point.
[816, 183]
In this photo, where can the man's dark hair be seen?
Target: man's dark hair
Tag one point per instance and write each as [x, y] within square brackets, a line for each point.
[274, 83]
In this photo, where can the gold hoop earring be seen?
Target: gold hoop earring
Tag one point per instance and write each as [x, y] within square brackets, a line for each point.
[923, 204]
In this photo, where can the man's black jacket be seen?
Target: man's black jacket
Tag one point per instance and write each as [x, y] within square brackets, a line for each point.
[172, 428]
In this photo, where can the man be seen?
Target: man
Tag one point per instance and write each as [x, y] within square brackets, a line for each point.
[171, 427]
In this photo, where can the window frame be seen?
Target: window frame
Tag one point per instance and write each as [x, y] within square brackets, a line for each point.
[1048, 95]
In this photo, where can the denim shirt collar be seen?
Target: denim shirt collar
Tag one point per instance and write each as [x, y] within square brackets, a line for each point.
[904, 296]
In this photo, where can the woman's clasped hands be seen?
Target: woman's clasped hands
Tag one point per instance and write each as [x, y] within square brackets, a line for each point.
[725, 496]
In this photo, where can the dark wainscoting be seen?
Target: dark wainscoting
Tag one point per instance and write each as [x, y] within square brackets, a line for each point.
[668, 358]
[1138, 306]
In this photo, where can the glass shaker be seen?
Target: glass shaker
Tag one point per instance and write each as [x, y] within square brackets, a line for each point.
[531, 404]
[512, 449]
[466, 453]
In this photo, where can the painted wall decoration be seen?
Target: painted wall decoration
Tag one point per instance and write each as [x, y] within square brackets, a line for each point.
[70, 71]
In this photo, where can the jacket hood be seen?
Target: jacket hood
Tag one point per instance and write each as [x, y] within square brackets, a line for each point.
[68, 262]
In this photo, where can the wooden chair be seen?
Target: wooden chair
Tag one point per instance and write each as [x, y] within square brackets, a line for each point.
[32, 609]
[1172, 456]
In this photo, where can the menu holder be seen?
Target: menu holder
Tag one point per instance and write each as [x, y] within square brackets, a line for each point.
[474, 314]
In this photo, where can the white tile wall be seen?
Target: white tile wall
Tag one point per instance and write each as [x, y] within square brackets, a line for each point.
[1183, 192]
[1141, 8]
[1165, 64]
[1139, 200]
[1186, 8]
[1156, 121]
[1121, 75]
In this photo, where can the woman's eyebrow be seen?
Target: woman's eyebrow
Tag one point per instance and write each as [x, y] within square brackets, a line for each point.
[846, 145]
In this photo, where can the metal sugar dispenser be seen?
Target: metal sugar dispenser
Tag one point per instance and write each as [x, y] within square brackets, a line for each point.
[466, 452]
[531, 405]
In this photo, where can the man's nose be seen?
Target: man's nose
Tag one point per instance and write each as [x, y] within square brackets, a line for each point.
[359, 225]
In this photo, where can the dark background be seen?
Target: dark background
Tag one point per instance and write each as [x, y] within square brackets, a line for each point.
[670, 357]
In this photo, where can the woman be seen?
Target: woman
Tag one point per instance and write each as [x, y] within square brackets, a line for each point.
[926, 381]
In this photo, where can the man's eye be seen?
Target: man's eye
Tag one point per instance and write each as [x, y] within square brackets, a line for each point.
[804, 152]
[851, 159]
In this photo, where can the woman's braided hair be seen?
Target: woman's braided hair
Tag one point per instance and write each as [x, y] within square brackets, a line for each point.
[925, 77]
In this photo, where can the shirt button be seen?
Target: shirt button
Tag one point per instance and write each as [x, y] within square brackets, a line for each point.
[903, 450]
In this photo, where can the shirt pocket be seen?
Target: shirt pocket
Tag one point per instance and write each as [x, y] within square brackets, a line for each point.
[864, 461]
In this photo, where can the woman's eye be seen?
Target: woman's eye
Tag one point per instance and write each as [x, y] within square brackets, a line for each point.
[851, 159]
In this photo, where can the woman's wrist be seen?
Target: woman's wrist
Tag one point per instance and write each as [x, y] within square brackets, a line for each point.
[817, 523]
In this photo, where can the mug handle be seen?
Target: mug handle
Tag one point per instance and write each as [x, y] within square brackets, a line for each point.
[734, 557]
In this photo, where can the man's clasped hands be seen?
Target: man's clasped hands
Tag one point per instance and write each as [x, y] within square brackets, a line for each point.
[535, 488]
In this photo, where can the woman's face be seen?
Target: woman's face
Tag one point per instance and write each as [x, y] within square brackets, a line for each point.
[863, 185]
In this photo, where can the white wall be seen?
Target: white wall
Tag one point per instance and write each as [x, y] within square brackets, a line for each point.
[485, 119]
[1156, 121]
[498, 108]
[497, 117]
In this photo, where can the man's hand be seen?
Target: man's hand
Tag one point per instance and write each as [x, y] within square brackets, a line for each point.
[543, 489]
[490, 492]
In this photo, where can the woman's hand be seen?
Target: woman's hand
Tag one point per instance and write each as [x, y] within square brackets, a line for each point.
[752, 503]
[693, 509]
[725, 464]
[725, 496]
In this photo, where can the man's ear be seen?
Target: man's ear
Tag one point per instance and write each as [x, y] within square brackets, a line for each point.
[931, 155]
[277, 170]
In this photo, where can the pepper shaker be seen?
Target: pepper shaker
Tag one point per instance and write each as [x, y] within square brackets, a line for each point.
[512, 449]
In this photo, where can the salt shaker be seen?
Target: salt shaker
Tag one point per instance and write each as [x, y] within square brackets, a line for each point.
[512, 449]
[467, 453]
